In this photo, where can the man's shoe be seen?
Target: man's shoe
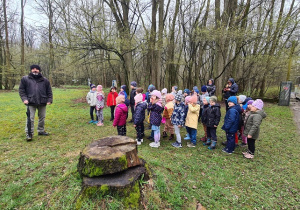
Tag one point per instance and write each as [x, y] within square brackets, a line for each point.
[29, 137]
[43, 133]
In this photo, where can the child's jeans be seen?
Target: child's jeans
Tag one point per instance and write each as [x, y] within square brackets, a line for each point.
[212, 133]
[121, 130]
[156, 132]
[230, 146]
[92, 108]
[177, 132]
[193, 134]
[139, 131]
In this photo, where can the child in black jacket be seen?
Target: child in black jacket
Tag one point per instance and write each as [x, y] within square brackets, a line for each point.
[213, 119]
[139, 117]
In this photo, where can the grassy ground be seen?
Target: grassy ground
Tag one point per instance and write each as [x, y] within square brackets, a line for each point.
[42, 173]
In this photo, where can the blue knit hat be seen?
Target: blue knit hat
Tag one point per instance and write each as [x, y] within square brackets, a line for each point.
[203, 88]
[133, 83]
[232, 99]
[123, 87]
[207, 99]
[92, 86]
[186, 91]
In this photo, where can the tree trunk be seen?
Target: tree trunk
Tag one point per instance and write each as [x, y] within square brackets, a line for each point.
[22, 40]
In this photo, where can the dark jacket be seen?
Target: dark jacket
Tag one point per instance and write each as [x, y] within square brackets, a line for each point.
[240, 111]
[139, 113]
[36, 89]
[231, 121]
[213, 115]
[155, 115]
[233, 89]
[204, 116]
[132, 94]
[253, 122]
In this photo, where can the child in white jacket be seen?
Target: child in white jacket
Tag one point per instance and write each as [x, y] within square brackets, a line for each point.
[91, 99]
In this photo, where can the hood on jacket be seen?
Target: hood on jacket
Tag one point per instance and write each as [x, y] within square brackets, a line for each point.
[213, 82]
[237, 108]
[142, 104]
[260, 112]
[231, 80]
[216, 105]
[123, 107]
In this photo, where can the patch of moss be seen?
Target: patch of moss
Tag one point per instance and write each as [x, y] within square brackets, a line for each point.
[132, 198]
[91, 170]
[91, 192]
[123, 161]
[148, 171]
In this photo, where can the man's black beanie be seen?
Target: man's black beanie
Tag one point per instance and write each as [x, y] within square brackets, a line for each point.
[35, 66]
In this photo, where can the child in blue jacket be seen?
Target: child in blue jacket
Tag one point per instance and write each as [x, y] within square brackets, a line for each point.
[231, 124]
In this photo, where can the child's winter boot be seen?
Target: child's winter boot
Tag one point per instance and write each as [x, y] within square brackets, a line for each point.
[207, 142]
[213, 145]
[165, 134]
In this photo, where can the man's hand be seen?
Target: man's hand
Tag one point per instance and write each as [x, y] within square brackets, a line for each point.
[25, 102]
[215, 126]
[48, 103]
[249, 137]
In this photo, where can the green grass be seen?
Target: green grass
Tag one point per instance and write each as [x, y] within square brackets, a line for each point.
[42, 174]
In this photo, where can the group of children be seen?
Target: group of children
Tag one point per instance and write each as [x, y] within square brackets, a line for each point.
[181, 109]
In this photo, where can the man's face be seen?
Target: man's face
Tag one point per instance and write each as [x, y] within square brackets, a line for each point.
[35, 71]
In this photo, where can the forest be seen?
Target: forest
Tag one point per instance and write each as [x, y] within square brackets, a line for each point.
[160, 42]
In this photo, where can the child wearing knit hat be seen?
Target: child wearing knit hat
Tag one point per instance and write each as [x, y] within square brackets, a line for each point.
[191, 121]
[111, 101]
[178, 119]
[100, 105]
[204, 119]
[214, 115]
[252, 125]
[231, 124]
[204, 94]
[167, 113]
[163, 96]
[139, 117]
[91, 99]
[186, 109]
[155, 108]
[133, 85]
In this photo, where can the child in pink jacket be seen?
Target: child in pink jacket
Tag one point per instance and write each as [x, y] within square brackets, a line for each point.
[121, 115]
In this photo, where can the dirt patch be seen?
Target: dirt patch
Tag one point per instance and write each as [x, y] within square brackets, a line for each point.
[79, 100]
[295, 107]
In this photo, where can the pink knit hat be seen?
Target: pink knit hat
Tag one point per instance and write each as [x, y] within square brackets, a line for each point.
[169, 97]
[99, 88]
[138, 98]
[187, 99]
[259, 104]
[193, 99]
[156, 93]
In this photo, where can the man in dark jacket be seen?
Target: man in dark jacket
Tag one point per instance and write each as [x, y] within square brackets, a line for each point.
[132, 102]
[231, 89]
[35, 92]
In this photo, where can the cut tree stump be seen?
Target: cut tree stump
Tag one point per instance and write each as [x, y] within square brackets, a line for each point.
[125, 185]
[108, 155]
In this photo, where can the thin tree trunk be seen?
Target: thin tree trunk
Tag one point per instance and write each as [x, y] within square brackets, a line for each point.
[22, 39]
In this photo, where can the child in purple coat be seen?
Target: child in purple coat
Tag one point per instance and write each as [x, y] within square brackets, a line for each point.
[121, 115]
[155, 108]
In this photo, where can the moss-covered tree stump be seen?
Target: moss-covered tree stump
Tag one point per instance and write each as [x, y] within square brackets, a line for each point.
[108, 155]
[125, 185]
